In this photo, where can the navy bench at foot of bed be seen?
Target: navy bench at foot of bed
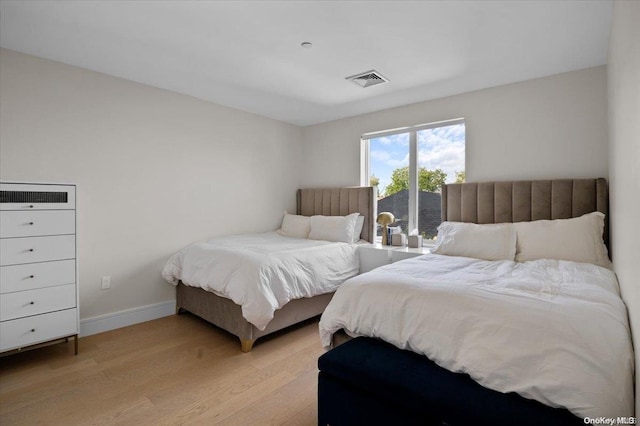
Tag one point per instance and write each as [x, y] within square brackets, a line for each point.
[367, 381]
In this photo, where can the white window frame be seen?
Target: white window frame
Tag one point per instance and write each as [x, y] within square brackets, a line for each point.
[365, 161]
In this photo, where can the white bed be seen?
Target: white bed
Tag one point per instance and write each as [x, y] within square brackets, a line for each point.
[526, 302]
[254, 285]
[263, 272]
[553, 331]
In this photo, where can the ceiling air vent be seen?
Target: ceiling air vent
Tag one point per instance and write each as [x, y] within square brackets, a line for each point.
[368, 79]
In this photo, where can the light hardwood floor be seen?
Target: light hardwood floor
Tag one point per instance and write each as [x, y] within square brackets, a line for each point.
[174, 370]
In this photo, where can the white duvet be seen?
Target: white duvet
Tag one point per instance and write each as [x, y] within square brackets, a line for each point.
[263, 272]
[553, 331]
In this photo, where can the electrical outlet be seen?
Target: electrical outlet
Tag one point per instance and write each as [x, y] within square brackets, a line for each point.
[106, 283]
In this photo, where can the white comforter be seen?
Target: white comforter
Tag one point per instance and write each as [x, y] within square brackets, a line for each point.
[263, 272]
[553, 331]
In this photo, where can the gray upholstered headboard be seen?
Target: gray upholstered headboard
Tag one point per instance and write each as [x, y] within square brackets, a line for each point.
[341, 202]
[525, 200]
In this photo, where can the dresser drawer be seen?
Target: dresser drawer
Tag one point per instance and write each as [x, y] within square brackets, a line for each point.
[34, 302]
[36, 249]
[27, 331]
[23, 196]
[37, 275]
[37, 223]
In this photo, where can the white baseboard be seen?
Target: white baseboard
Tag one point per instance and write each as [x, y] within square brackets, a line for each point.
[107, 322]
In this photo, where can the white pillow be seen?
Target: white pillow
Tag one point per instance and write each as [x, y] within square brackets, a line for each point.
[489, 242]
[578, 239]
[334, 228]
[295, 226]
[357, 230]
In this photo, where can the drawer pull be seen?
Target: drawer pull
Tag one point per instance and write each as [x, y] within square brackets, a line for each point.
[30, 250]
[30, 223]
[30, 206]
[31, 276]
[32, 303]
[33, 330]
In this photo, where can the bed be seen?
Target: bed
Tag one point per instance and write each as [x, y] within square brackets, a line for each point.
[544, 330]
[221, 311]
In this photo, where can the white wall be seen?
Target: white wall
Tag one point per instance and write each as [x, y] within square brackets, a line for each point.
[624, 152]
[552, 127]
[156, 170]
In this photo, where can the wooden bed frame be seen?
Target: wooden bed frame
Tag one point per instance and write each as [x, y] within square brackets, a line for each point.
[226, 314]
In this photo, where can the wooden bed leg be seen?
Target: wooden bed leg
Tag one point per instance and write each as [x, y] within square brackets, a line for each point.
[246, 344]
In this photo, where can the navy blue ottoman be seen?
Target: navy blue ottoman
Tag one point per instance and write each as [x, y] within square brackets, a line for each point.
[369, 382]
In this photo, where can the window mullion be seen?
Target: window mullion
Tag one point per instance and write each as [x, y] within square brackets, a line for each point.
[413, 182]
[365, 162]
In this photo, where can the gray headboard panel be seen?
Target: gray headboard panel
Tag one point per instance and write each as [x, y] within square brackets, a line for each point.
[341, 202]
[525, 200]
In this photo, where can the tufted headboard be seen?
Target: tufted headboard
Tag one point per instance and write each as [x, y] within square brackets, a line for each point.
[341, 202]
[525, 200]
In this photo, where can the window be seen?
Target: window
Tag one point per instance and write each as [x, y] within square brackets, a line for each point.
[408, 166]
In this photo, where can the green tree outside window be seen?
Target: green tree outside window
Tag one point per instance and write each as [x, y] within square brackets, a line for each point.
[428, 180]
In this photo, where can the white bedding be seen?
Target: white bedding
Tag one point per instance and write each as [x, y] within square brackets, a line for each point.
[553, 331]
[263, 272]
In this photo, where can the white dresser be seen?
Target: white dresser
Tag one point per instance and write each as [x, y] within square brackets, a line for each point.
[38, 278]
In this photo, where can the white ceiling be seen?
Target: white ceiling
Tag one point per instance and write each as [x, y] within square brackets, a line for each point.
[247, 55]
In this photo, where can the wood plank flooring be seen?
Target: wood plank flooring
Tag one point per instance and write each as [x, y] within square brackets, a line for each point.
[171, 371]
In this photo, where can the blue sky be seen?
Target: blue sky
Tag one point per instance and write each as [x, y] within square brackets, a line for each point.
[441, 147]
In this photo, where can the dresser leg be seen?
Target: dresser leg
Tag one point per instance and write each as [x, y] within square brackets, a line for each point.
[75, 345]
